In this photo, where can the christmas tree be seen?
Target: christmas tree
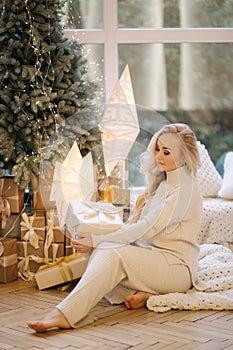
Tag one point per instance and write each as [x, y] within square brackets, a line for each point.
[42, 84]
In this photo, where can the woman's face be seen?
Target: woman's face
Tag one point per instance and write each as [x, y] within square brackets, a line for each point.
[168, 152]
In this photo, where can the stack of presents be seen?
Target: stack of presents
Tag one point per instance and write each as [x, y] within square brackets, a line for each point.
[32, 244]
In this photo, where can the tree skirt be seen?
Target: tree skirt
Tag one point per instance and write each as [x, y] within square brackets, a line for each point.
[216, 272]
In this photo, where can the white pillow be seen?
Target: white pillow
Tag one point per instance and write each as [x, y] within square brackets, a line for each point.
[207, 175]
[226, 191]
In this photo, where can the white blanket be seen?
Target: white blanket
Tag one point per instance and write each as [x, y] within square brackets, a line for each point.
[216, 271]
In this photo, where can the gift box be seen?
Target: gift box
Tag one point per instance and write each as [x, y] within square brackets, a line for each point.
[38, 203]
[41, 195]
[53, 228]
[8, 260]
[114, 188]
[25, 248]
[11, 192]
[29, 259]
[33, 228]
[92, 217]
[56, 250]
[12, 228]
[66, 269]
[116, 195]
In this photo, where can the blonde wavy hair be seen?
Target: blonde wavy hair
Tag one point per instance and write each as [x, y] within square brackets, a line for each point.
[189, 152]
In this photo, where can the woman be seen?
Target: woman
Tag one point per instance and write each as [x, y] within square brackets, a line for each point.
[157, 251]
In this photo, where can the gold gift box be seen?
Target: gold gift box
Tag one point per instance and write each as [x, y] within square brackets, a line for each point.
[67, 269]
[37, 257]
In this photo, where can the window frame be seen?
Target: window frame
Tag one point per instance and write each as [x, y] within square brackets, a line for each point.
[110, 36]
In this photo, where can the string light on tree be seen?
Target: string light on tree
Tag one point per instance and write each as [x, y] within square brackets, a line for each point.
[42, 84]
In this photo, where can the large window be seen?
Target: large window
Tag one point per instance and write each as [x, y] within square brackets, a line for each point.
[179, 54]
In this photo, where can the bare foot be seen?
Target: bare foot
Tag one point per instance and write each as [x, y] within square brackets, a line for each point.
[54, 319]
[138, 300]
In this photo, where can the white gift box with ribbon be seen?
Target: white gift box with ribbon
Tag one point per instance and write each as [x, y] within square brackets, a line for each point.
[92, 217]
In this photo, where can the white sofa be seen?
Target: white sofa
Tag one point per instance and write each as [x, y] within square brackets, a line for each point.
[217, 222]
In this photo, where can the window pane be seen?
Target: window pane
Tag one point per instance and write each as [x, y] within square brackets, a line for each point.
[189, 83]
[175, 13]
[83, 14]
[94, 54]
[206, 14]
[138, 13]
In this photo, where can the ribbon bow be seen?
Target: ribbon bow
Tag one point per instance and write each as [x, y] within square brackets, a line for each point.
[30, 235]
[64, 268]
[104, 217]
[101, 210]
[23, 264]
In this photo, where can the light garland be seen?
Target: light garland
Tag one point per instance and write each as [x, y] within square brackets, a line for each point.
[37, 122]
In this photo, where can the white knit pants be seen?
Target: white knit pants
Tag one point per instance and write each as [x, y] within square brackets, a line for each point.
[117, 272]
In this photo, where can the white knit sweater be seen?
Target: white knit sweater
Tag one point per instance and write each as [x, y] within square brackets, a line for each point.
[169, 221]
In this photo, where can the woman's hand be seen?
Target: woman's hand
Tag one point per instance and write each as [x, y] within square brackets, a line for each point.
[83, 243]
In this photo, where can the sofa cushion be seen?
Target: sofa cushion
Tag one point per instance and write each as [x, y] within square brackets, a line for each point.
[226, 190]
[207, 175]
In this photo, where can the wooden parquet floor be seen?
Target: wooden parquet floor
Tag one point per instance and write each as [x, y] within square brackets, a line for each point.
[116, 328]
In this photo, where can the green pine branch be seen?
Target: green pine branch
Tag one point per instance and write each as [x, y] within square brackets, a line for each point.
[42, 84]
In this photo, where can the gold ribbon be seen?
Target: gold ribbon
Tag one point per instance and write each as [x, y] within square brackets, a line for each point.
[8, 260]
[65, 259]
[109, 194]
[62, 264]
[30, 235]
